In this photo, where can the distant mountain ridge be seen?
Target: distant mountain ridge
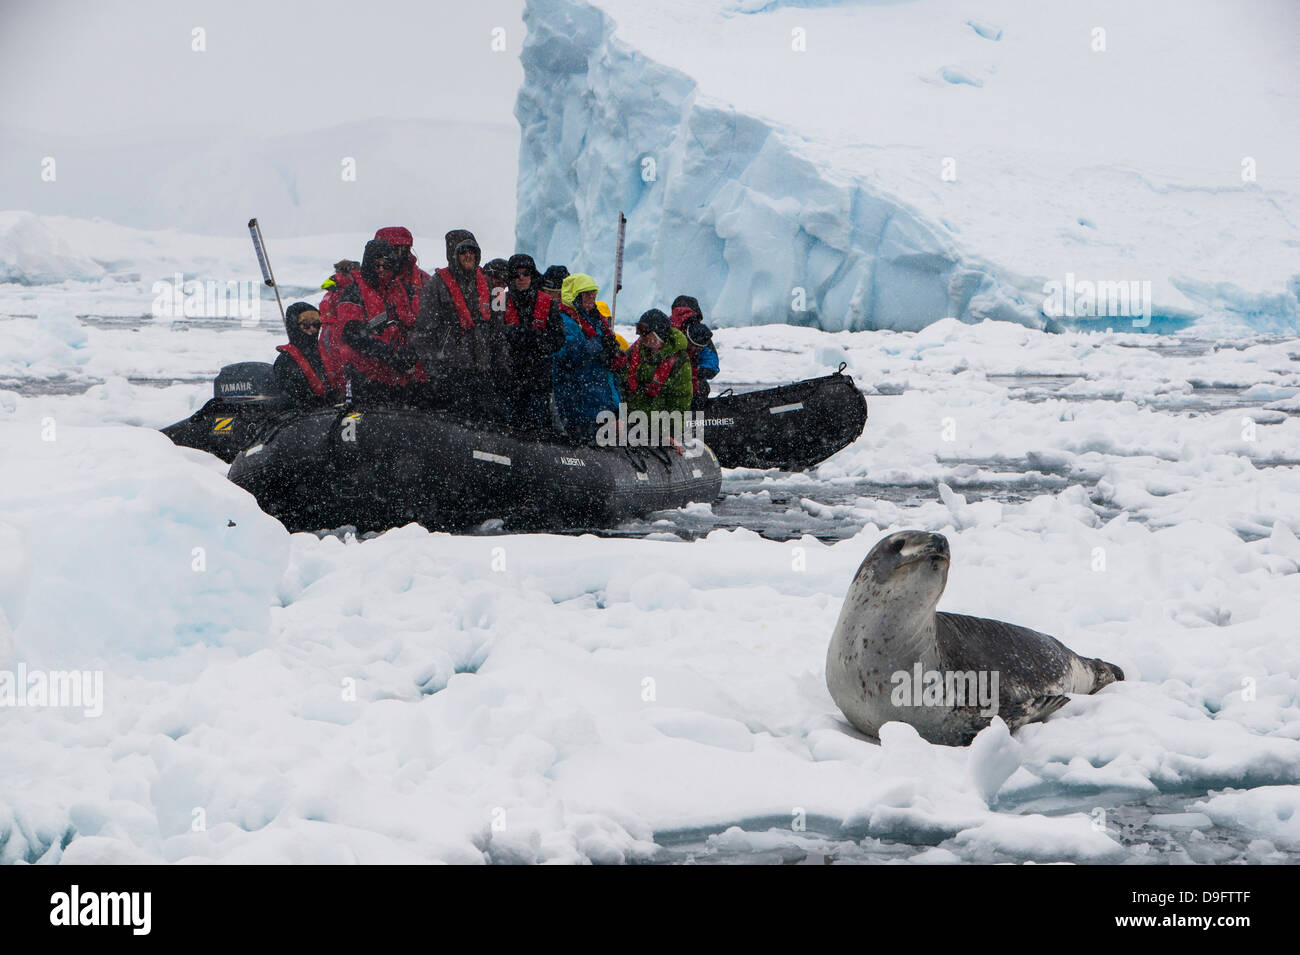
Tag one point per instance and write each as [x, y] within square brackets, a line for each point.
[431, 176]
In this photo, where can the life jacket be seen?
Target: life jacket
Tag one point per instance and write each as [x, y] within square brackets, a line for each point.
[661, 375]
[398, 307]
[313, 380]
[413, 279]
[541, 311]
[333, 351]
[337, 357]
[587, 328]
[458, 298]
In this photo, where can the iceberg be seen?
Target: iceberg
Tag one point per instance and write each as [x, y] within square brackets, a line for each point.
[869, 166]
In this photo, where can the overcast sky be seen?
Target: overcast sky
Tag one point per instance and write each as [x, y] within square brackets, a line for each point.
[100, 66]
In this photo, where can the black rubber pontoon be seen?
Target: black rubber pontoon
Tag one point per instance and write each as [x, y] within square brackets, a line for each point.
[386, 467]
[792, 427]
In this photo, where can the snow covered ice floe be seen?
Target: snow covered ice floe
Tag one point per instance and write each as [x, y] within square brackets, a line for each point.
[421, 697]
[759, 148]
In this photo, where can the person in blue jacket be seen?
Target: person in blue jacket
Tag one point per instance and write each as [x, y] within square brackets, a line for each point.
[704, 361]
[581, 370]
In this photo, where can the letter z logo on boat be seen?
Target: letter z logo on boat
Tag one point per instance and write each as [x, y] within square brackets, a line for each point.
[223, 426]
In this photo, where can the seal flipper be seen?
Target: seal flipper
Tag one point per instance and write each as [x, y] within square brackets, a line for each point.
[1019, 712]
[966, 722]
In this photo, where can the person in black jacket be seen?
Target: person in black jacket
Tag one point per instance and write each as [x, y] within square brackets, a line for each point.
[552, 279]
[298, 373]
[498, 276]
[460, 341]
[535, 332]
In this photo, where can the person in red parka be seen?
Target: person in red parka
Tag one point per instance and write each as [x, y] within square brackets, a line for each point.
[366, 319]
[408, 271]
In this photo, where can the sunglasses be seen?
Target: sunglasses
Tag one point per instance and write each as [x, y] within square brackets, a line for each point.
[308, 325]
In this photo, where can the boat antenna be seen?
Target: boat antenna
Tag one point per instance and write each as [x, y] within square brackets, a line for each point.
[268, 278]
[618, 266]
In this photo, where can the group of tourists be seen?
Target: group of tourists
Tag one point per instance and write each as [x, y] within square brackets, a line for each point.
[500, 343]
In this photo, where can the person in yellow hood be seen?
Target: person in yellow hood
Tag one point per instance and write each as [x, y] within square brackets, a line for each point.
[584, 383]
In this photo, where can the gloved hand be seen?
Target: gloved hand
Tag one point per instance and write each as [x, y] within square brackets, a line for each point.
[609, 346]
[405, 358]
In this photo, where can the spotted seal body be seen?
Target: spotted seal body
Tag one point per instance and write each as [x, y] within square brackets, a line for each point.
[894, 657]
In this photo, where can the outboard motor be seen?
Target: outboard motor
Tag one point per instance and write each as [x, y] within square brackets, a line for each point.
[244, 401]
[245, 381]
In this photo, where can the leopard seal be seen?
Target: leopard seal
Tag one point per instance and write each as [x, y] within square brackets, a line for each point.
[893, 656]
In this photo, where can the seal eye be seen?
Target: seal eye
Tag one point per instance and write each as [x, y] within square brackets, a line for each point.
[898, 546]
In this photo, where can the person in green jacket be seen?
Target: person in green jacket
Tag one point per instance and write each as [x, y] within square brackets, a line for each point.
[657, 369]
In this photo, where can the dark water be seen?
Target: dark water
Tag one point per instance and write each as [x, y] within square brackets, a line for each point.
[782, 506]
[786, 507]
[1161, 829]
[1201, 398]
[71, 385]
[129, 323]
